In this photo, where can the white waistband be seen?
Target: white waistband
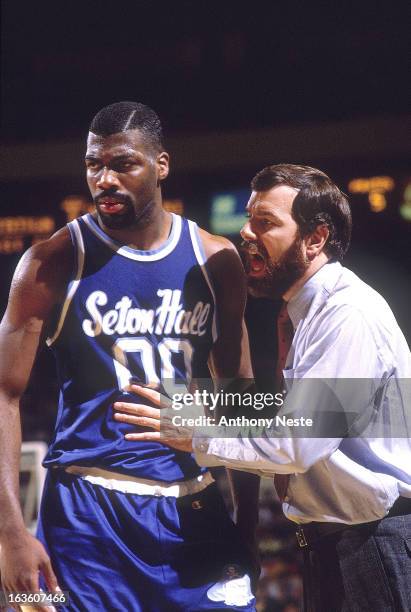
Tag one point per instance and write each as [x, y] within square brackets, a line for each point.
[140, 486]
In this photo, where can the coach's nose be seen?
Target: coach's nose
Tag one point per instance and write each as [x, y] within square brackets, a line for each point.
[247, 233]
[107, 179]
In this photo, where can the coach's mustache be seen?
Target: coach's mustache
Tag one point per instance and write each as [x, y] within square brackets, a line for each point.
[250, 247]
[253, 248]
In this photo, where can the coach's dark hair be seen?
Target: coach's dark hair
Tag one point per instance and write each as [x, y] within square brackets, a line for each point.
[123, 116]
[318, 202]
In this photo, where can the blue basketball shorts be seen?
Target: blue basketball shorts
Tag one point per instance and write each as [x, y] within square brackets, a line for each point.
[115, 551]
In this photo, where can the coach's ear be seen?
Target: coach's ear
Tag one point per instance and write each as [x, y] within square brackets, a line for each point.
[162, 162]
[315, 242]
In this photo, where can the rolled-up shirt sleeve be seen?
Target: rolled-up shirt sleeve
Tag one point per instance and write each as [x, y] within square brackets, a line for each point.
[263, 456]
[334, 382]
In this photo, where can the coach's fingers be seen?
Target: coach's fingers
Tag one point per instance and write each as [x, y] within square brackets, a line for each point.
[151, 394]
[181, 444]
[153, 436]
[138, 410]
[137, 420]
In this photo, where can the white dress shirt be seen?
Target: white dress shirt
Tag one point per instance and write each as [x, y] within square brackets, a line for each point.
[343, 330]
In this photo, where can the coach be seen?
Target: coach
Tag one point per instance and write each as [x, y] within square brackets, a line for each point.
[347, 487]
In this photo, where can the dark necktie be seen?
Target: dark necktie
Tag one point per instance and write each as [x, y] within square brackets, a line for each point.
[285, 332]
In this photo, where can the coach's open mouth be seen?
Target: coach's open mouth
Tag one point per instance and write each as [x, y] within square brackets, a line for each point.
[255, 262]
[256, 265]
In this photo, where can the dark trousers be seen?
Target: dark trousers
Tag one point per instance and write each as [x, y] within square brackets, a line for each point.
[366, 568]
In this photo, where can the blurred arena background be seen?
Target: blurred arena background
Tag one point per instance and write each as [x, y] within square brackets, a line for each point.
[237, 89]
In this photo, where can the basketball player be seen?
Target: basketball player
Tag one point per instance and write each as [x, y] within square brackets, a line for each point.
[131, 293]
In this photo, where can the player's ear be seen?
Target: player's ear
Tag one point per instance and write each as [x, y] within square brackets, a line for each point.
[162, 162]
[315, 241]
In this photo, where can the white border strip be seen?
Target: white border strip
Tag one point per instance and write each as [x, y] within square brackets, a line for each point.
[163, 251]
[199, 253]
[73, 285]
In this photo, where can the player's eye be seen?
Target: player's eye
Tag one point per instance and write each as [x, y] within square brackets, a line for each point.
[91, 164]
[125, 166]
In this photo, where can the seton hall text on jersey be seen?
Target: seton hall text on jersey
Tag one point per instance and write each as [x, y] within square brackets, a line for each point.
[168, 318]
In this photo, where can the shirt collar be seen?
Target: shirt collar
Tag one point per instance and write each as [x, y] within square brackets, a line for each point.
[317, 288]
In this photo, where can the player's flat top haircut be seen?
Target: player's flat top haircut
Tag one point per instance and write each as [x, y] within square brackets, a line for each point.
[123, 116]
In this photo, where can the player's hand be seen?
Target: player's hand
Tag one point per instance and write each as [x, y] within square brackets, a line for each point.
[22, 559]
[177, 437]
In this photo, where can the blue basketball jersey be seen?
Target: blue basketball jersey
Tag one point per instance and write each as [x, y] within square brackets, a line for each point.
[129, 315]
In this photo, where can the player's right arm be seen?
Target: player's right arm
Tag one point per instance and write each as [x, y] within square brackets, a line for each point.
[37, 288]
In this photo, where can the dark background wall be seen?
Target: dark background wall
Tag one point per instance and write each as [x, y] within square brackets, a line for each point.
[203, 65]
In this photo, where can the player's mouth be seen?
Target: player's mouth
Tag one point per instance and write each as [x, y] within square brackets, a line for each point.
[255, 262]
[111, 205]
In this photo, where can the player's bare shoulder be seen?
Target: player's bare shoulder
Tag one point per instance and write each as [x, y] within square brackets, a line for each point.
[213, 244]
[223, 260]
[41, 277]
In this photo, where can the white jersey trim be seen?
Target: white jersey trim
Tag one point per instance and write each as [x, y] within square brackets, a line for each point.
[77, 239]
[201, 258]
[153, 255]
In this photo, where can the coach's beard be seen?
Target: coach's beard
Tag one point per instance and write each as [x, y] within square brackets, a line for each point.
[280, 275]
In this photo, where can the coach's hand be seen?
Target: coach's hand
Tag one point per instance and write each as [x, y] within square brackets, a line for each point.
[22, 558]
[177, 437]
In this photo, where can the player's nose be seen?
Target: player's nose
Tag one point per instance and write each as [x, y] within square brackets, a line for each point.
[247, 233]
[107, 179]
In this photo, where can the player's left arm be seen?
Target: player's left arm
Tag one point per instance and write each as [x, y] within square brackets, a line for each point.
[230, 355]
[230, 358]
